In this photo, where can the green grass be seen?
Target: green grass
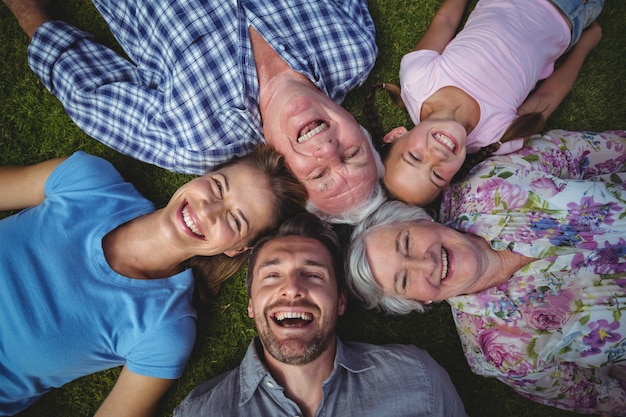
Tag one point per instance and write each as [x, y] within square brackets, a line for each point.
[34, 127]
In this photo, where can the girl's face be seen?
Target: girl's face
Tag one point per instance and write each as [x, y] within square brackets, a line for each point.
[220, 212]
[427, 261]
[423, 161]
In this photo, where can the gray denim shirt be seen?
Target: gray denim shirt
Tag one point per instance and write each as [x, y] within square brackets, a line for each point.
[367, 380]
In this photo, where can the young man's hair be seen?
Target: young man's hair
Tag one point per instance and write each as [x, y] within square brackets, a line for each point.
[309, 226]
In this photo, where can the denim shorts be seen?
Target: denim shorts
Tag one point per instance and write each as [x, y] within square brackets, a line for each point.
[581, 13]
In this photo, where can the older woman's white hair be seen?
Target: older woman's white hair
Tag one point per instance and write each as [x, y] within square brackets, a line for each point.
[359, 277]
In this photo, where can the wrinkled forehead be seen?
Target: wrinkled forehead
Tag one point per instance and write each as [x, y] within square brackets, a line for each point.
[296, 251]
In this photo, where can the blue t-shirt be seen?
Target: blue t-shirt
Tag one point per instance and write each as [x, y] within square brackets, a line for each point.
[64, 313]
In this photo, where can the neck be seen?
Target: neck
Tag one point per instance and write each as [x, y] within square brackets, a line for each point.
[274, 75]
[132, 252]
[452, 103]
[501, 264]
[303, 383]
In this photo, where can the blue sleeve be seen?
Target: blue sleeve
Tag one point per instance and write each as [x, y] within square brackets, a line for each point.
[81, 171]
[165, 352]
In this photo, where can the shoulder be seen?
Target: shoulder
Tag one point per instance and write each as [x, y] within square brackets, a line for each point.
[391, 358]
[84, 170]
[217, 396]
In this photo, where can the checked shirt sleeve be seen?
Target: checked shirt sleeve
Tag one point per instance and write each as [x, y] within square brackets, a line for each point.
[110, 99]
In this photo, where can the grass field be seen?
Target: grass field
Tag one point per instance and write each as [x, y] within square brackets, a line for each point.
[34, 127]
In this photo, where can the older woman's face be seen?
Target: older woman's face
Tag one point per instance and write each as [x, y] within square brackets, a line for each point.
[426, 261]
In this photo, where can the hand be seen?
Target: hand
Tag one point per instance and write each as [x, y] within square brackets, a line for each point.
[30, 14]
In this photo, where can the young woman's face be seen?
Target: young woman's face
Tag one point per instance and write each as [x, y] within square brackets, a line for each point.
[423, 161]
[426, 261]
[221, 211]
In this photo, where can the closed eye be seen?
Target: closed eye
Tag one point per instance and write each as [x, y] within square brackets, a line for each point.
[314, 275]
[318, 175]
[218, 189]
[351, 153]
[236, 221]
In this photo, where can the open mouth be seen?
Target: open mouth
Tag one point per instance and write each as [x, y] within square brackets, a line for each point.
[444, 264]
[311, 129]
[292, 318]
[445, 141]
[191, 225]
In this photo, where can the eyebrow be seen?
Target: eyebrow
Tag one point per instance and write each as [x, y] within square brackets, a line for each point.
[278, 261]
[328, 184]
[397, 277]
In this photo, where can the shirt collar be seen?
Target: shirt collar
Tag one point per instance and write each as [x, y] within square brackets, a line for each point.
[253, 371]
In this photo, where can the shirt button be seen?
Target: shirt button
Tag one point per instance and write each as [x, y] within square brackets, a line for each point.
[269, 384]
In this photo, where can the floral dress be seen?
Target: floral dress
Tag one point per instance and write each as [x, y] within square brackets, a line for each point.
[556, 330]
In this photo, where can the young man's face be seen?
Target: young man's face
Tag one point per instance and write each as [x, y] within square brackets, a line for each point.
[294, 299]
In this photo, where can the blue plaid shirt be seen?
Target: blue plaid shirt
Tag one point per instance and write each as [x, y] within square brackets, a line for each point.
[189, 98]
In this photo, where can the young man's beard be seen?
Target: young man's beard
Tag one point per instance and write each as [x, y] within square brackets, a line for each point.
[296, 351]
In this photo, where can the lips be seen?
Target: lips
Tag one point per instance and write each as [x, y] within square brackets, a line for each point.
[189, 221]
[445, 140]
[311, 129]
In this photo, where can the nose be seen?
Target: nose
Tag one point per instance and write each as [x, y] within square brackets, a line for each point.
[424, 266]
[326, 148]
[292, 286]
[436, 154]
[212, 211]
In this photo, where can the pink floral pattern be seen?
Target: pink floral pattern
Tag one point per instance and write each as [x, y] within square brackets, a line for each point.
[555, 331]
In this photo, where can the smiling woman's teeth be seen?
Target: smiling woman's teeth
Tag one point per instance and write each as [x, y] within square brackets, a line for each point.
[444, 264]
[445, 141]
[308, 135]
[189, 222]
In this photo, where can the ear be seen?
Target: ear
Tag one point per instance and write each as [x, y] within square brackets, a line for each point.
[343, 303]
[394, 134]
[250, 309]
[235, 252]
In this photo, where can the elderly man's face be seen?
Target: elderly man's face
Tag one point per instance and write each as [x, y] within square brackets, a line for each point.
[294, 299]
[324, 147]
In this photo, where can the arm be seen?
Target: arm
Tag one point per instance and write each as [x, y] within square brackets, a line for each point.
[553, 90]
[30, 14]
[133, 395]
[23, 186]
[443, 26]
